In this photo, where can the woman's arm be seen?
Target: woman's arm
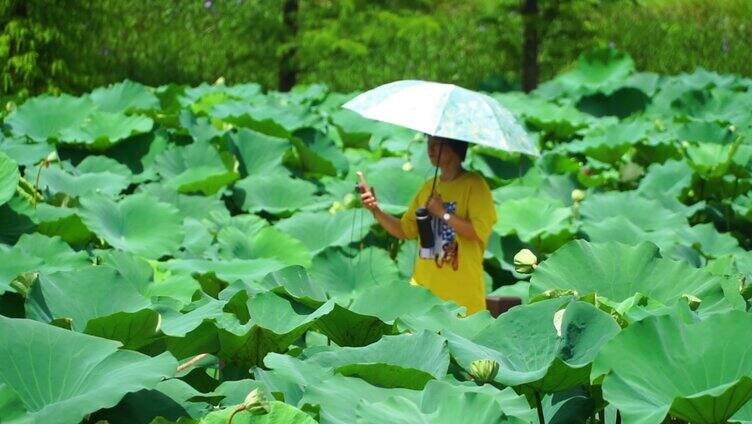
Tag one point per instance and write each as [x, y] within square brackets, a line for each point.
[461, 226]
[391, 224]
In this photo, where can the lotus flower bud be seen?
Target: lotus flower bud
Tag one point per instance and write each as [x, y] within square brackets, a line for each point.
[525, 261]
[693, 301]
[578, 195]
[484, 370]
[256, 403]
[220, 81]
[336, 207]
[348, 200]
[407, 166]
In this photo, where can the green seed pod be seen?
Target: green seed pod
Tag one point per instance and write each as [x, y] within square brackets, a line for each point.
[483, 371]
[693, 301]
[256, 403]
[525, 261]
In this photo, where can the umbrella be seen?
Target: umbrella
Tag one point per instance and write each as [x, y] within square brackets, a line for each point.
[444, 110]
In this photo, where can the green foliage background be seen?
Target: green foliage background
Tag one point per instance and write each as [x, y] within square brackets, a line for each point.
[350, 44]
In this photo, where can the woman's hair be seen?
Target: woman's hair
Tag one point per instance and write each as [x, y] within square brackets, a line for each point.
[458, 146]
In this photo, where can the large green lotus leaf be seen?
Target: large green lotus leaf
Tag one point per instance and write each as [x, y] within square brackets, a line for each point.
[288, 117]
[170, 400]
[532, 217]
[597, 70]
[295, 281]
[260, 154]
[228, 271]
[321, 230]
[663, 366]
[44, 117]
[124, 97]
[646, 214]
[339, 396]
[9, 176]
[53, 389]
[563, 350]
[279, 413]
[407, 360]
[276, 194]
[560, 121]
[743, 415]
[620, 103]
[190, 206]
[138, 223]
[389, 302]
[38, 253]
[62, 222]
[90, 176]
[343, 277]
[447, 317]
[509, 402]
[17, 217]
[102, 130]
[318, 154]
[610, 143]
[273, 325]
[621, 230]
[177, 324]
[82, 295]
[395, 188]
[200, 128]
[53, 252]
[538, 183]
[181, 288]
[618, 271]
[196, 167]
[347, 328]
[290, 375]
[710, 241]
[670, 178]
[267, 242]
[466, 408]
[24, 152]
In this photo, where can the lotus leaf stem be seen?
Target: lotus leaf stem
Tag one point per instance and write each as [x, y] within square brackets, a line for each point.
[191, 362]
[539, 407]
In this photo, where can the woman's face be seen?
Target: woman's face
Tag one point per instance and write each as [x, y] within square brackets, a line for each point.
[448, 155]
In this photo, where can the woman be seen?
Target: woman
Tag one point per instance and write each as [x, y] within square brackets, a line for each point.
[463, 215]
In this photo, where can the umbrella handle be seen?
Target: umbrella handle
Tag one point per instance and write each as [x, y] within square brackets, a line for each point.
[435, 173]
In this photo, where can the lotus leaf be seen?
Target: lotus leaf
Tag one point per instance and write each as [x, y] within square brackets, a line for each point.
[319, 231]
[123, 97]
[9, 176]
[194, 168]
[46, 117]
[101, 130]
[638, 371]
[138, 223]
[408, 360]
[45, 369]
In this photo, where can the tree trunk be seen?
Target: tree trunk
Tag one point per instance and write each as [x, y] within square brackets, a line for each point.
[288, 74]
[530, 45]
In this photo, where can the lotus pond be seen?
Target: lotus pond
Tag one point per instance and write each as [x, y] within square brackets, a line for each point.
[167, 251]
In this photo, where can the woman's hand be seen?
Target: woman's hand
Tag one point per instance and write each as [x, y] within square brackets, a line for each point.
[435, 205]
[368, 199]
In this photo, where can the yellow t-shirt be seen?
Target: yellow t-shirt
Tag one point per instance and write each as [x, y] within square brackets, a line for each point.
[458, 274]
